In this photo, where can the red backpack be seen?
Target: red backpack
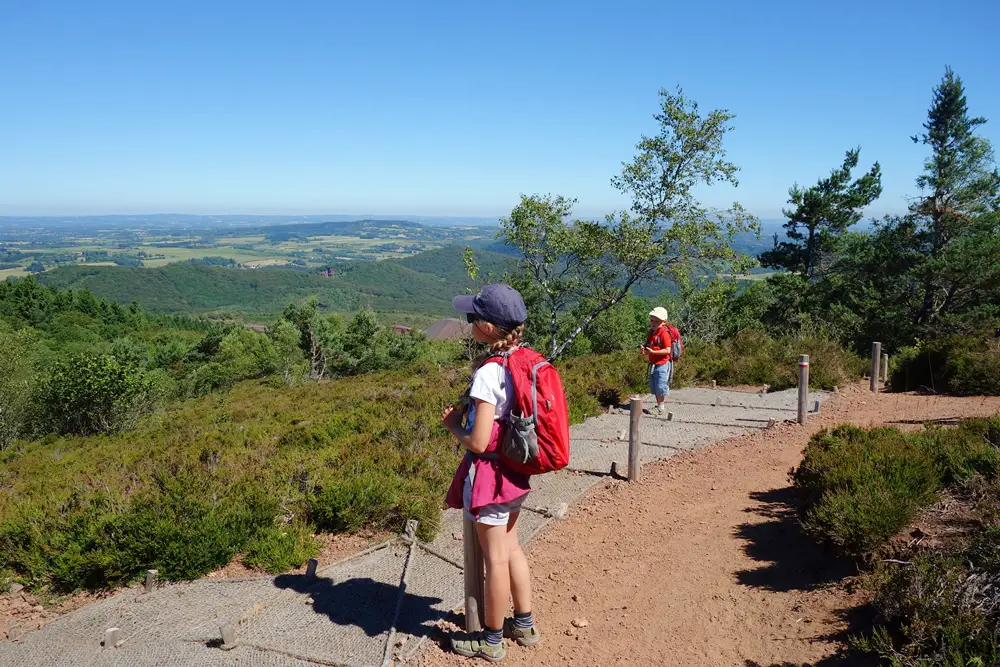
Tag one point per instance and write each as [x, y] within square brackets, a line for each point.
[536, 435]
[676, 345]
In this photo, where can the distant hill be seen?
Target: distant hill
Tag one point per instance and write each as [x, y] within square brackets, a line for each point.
[424, 283]
[446, 263]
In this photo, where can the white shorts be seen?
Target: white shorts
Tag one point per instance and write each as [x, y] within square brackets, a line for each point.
[497, 514]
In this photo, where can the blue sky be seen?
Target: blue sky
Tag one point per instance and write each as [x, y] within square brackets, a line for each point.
[454, 108]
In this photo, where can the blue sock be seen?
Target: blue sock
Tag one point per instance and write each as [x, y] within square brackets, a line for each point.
[493, 637]
[523, 621]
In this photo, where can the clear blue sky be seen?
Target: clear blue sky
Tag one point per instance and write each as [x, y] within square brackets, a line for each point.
[454, 108]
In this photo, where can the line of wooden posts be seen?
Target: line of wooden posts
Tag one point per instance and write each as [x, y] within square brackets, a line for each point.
[474, 563]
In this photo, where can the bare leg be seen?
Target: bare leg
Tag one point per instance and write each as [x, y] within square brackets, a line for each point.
[496, 554]
[520, 577]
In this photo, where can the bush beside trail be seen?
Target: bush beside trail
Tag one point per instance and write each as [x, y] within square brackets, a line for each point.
[964, 365]
[861, 488]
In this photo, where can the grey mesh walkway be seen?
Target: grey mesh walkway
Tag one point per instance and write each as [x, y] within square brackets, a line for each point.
[345, 614]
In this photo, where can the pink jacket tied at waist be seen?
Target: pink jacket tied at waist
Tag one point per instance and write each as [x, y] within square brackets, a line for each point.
[493, 483]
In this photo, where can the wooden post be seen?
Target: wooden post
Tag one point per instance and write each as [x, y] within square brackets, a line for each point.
[634, 443]
[112, 637]
[885, 368]
[229, 639]
[803, 387]
[876, 359]
[312, 567]
[151, 580]
[475, 574]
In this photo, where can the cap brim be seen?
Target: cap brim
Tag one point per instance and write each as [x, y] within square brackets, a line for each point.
[465, 303]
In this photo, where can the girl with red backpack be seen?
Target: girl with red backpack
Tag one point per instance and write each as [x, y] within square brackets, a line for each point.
[485, 486]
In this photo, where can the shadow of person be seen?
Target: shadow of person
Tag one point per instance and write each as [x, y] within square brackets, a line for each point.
[365, 603]
[794, 562]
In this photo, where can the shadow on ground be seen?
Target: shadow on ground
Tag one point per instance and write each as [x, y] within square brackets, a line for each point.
[365, 603]
[792, 561]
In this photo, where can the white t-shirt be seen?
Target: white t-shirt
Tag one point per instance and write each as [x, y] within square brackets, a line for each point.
[491, 384]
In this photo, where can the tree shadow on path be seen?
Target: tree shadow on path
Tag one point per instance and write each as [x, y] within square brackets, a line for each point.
[792, 561]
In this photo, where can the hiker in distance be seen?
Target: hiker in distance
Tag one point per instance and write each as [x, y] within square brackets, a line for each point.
[486, 486]
[662, 349]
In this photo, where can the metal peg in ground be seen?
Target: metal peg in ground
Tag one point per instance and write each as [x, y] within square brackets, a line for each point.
[876, 359]
[634, 443]
[311, 568]
[803, 387]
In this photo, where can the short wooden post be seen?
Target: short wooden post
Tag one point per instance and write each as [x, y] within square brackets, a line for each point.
[311, 568]
[229, 640]
[885, 368]
[474, 577]
[151, 580]
[634, 443]
[112, 637]
[876, 359]
[614, 468]
[803, 387]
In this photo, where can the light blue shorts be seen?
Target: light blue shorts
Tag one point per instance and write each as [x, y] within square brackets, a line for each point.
[659, 379]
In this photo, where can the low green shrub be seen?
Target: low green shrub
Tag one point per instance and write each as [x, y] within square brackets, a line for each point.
[955, 364]
[597, 381]
[940, 606]
[281, 548]
[858, 488]
[87, 394]
[754, 358]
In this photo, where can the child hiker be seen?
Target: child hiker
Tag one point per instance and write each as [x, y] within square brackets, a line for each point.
[488, 491]
[658, 350]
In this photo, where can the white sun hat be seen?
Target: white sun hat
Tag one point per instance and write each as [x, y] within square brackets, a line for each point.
[659, 313]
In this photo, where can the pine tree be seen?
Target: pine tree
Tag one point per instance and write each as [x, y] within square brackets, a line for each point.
[821, 215]
[959, 186]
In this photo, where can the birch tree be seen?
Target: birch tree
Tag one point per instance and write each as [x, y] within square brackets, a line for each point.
[566, 262]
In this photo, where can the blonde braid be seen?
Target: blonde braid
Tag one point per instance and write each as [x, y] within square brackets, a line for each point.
[509, 341]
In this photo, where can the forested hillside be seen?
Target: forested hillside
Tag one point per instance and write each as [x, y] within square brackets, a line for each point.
[424, 283]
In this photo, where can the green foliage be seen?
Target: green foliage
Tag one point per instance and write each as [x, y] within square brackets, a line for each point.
[956, 364]
[187, 287]
[754, 358]
[588, 267]
[859, 488]
[925, 275]
[281, 548]
[88, 394]
[938, 607]
[17, 382]
[821, 215]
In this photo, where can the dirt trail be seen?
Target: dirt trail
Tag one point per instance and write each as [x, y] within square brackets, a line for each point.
[703, 562]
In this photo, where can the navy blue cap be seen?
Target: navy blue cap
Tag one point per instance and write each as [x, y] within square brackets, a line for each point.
[498, 304]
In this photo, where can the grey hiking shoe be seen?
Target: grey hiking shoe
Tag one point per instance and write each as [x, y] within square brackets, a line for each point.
[523, 636]
[657, 411]
[473, 645]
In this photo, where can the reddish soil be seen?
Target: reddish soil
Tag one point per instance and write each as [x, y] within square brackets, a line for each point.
[703, 562]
